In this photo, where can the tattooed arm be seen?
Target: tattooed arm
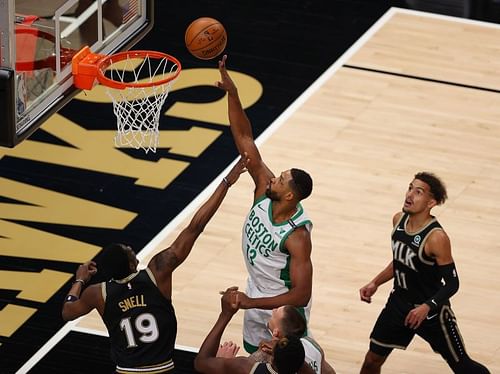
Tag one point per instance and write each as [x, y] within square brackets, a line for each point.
[165, 262]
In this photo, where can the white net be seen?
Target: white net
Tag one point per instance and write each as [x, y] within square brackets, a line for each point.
[137, 108]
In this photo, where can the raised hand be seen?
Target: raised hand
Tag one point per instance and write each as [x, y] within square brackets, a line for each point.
[86, 271]
[239, 168]
[228, 301]
[226, 83]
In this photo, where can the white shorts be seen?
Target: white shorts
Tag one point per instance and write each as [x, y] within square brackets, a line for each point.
[255, 322]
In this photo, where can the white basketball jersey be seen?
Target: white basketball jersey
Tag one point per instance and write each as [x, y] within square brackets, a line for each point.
[313, 355]
[266, 258]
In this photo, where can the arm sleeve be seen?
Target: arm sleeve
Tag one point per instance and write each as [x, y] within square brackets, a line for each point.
[448, 289]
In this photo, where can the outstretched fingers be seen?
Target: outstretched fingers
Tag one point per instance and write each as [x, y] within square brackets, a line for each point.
[223, 73]
[239, 168]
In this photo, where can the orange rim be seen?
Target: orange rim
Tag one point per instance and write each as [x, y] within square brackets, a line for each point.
[105, 62]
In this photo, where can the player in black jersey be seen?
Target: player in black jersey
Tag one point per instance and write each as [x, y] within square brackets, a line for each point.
[288, 352]
[136, 306]
[424, 280]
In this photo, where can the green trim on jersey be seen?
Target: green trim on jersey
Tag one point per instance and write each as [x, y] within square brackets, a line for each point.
[299, 211]
[249, 347]
[283, 240]
[258, 200]
[285, 274]
[302, 312]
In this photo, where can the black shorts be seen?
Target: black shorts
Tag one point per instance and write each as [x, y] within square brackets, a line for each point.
[440, 330]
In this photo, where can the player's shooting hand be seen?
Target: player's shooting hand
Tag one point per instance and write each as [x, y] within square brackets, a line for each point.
[416, 316]
[226, 83]
[239, 168]
[366, 292]
[86, 271]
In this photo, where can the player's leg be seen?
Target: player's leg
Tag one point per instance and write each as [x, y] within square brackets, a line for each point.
[373, 362]
[388, 333]
[442, 333]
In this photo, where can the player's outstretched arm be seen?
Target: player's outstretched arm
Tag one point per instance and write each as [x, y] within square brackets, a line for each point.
[241, 129]
[206, 360]
[165, 262]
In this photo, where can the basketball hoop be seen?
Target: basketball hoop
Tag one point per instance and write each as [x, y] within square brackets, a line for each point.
[138, 83]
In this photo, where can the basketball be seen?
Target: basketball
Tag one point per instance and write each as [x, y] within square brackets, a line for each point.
[205, 38]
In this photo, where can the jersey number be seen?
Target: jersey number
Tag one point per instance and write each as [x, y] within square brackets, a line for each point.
[145, 324]
[251, 254]
[401, 279]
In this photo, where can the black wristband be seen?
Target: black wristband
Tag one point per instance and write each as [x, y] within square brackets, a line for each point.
[70, 298]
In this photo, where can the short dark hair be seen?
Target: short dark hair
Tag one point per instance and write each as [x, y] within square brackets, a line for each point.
[288, 355]
[301, 183]
[293, 322]
[114, 262]
[438, 189]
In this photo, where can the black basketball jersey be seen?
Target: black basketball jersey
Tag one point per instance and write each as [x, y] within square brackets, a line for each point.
[263, 368]
[416, 275]
[141, 323]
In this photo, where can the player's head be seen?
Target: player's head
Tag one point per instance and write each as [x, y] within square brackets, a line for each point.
[117, 261]
[287, 321]
[424, 192]
[288, 355]
[293, 184]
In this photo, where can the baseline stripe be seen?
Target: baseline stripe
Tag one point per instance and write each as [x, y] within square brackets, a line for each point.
[425, 79]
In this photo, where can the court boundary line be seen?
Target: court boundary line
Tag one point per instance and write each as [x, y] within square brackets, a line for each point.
[270, 130]
[424, 79]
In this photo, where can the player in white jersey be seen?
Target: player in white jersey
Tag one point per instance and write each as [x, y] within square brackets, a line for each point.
[286, 321]
[276, 234]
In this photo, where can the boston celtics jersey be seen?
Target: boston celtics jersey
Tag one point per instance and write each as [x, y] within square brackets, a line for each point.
[268, 264]
[416, 275]
[141, 323]
[266, 257]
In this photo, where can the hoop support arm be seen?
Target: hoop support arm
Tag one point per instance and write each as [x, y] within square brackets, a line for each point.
[84, 68]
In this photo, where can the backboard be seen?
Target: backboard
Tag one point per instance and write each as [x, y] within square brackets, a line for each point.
[37, 41]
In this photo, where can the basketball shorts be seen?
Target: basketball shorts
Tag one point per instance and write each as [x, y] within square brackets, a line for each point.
[255, 328]
[440, 330]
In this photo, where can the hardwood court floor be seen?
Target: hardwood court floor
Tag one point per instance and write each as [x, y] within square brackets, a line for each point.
[362, 135]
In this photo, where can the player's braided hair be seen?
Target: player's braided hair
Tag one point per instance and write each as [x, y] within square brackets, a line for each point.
[438, 189]
[288, 355]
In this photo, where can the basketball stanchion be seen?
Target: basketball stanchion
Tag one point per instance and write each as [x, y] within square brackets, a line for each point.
[138, 82]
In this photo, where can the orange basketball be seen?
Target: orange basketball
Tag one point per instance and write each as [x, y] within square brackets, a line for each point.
[205, 38]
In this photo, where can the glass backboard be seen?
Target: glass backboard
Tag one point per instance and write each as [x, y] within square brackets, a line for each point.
[38, 40]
